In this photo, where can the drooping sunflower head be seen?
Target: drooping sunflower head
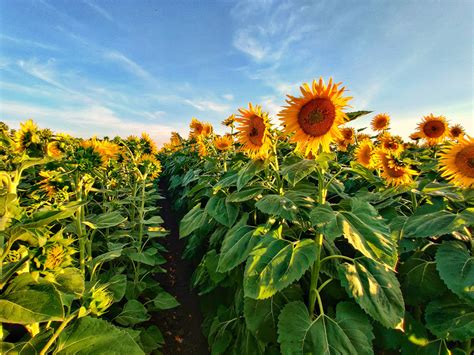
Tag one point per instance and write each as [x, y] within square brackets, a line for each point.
[147, 145]
[314, 118]
[365, 154]
[254, 132]
[391, 144]
[196, 128]
[52, 182]
[28, 137]
[149, 165]
[434, 129]
[456, 131]
[100, 299]
[201, 148]
[348, 135]
[394, 171]
[104, 149]
[362, 136]
[416, 136]
[457, 163]
[207, 129]
[223, 143]
[380, 122]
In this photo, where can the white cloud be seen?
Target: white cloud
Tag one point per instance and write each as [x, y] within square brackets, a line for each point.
[86, 121]
[128, 64]
[27, 42]
[99, 10]
[207, 105]
[229, 97]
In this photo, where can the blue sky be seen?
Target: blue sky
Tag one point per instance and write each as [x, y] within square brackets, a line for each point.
[106, 67]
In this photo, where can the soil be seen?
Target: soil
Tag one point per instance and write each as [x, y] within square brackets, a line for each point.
[181, 326]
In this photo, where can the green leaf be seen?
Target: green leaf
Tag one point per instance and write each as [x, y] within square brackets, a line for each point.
[356, 114]
[261, 316]
[278, 205]
[223, 212]
[133, 313]
[298, 171]
[117, 285]
[155, 220]
[249, 171]
[325, 219]
[44, 218]
[70, 280]
[151, 339]
[193, 220]
[276, 264]
[299, 335]
[367, 232]
[31, 303]
[245, 195]
[429, 221]
[419, 280]
[236, 247]
[96, 336]
[376, 289]
[450, 318]
[456, 267]
[106, 220]
[165, 301]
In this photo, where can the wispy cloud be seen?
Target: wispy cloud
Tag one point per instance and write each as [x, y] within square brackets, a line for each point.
[208, 105]
[128, 64]
[28, 43]
[99, 10]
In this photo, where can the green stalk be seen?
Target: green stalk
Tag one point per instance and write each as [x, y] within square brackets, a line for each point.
[313, 291]
[56, 334]
[78, 221]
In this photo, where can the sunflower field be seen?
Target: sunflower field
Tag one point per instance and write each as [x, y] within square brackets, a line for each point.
[307, 236]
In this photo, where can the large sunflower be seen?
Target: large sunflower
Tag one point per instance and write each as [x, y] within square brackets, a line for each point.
[394, 171]
[253, 132]
[380, 122]
[315, 117]
[457, 163]
[365, 154]
[433, 129]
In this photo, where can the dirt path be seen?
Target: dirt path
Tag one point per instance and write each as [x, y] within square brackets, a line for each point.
[181, 326]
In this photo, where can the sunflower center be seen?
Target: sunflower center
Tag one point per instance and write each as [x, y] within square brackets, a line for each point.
[317, 117]
[380, 122]
[366, 155]
[256, 130]
[465, 161]
[434, 129]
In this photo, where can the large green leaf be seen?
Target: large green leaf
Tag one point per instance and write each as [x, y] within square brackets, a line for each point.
[222, 211]
[44, 218]
[193, 220]
[96, 336]
[367, 232]
[236, 247]
[456, 267]
[275, 264]
[278, 205]
[248, 171]
[245, 195]
[298, 171]
[324, 218]
[133, 313]
[419, 280]
[31, 303]
[106, 220]
[261, 316]
[376, 289]
[350, 333]
[430, 221]
[450, 318]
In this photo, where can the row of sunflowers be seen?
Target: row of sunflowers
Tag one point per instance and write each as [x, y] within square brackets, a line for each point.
[79, 244]
[313, 238]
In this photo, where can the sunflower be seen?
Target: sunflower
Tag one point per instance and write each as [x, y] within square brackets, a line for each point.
[223, 143]
[433, 129]
[254, 132]
[314, 118]
[229, 121]
[201, 148]
[362, 136]
[380, 122]
[365, 154]
[100, 300]
[207, 129]
[389, 143]
[416, 136]
[53, 150]
[147, 144]
[456, 131]
[348, 137]
[196, 128]
[457, 163]
[394, 171]
[149, 165]
[28, 136]
[105, 149]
